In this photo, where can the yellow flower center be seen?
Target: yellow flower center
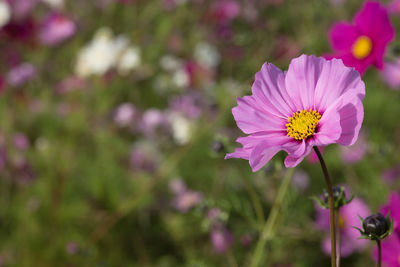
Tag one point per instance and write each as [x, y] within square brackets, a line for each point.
[302, 124]
[362, 47]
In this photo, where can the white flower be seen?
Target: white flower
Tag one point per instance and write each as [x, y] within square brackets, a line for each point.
[181, 78]
[58, 4]
[207, 55]
[5, 13]
[129, 60]
[181, 129]
[170, 63]
[105, 52]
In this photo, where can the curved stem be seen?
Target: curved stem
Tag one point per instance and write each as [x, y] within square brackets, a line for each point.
[337, 238]
[378, 242]
[331, 207]
[271, 221]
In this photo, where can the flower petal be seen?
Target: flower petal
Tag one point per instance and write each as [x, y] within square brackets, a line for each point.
[341, 123]
[343, 35]
[335, 80]
[373, 21]
[301, 79]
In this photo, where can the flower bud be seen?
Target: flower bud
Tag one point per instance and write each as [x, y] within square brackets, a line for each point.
[376, 227]
[376, 224]
[336, 190]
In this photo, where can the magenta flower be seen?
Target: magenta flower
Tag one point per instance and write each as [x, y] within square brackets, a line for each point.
[390, 251]
[315, 103]
[348, 217]
[394, 207]
[55, 29]
[391, 74]
[391, 245]
[364, 42]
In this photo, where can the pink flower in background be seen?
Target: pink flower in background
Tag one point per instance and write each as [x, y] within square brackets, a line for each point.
[189, 105]
[55, 29]
[364, 42]
[224, 10]
[70, 84]
[391, 74]
[390, 251]
[391, 245]
[21, 74]
[221, 239]
[125, 114]
[185, 199]
[356, 152]
[317, 102]
[22, 8]
[394, 6]
[348, 217]
[394, 207]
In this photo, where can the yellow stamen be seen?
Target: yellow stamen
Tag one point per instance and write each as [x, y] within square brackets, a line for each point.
[362, 47]
[302, 124]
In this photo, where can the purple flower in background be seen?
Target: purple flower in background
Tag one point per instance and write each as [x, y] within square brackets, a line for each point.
[221, 239]
[125, 114]
[390, 175]
[21, 74]
[153, 120]
[22, 8]
[317, 102]
[71, 248]
[189, 105]
[364, 42]
[391, 74]
[21, 142]
[348, 217]
[185, 199]
[144, 157]
[55, 29]
[356, 152]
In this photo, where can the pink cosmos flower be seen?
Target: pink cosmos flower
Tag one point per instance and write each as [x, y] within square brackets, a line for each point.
[55, 29]
[348, 217]
[364, 42]
[391, 74]
[315, 103]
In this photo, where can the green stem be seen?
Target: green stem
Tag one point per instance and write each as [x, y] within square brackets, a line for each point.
[338, 238]
[331, 207]
[272, 218]
[378, 242]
